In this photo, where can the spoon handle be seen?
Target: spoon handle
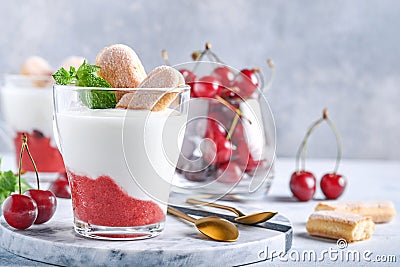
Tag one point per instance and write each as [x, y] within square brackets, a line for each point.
[180, 214]
[195, 201]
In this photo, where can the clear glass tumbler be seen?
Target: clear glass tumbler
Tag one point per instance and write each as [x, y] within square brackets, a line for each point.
[229, 146]
[119, 162]
[27, 107]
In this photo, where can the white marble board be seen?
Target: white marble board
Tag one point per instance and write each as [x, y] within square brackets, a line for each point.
[180, 244]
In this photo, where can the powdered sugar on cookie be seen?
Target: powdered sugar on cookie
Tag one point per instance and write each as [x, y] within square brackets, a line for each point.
[155, 100]
[120, 66]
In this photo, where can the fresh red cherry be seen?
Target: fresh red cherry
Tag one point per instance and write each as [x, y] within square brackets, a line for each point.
[224, 150]
[19, 211]
[333, 185]
[206, 87]
[60, 188]
[229, 173]
[216, 121]
[224, 75]
[217, 151]
[247, 82]
[244, 157]
[46, 204]
[188, 75]
[214, 129]
[303, 185]
[229, 93]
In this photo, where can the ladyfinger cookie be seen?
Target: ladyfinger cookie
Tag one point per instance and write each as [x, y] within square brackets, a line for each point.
[154, 100]
[336, 225]
[120, 66]
[146, 100]
[36, 66]
[39, 70]
[379, 211]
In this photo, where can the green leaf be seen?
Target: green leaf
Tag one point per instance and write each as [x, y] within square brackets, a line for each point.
[86, 69]
[98, 99]
[91, 80]
[8, 181]
[86, 76]
[72, 71]
[62, 76]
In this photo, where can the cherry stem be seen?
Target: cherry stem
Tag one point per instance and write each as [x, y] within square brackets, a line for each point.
[233, 126]
[20, 165]
[164, 55]
[236, 110]
[338, 142]
[271, 66]
[25, 142]
[301, 151]
[200, 54]
[260, 78]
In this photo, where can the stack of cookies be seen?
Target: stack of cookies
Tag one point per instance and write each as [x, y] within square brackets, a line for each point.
[350, 220]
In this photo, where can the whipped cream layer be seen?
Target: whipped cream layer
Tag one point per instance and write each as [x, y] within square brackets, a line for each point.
[138, 149]
[28, 108]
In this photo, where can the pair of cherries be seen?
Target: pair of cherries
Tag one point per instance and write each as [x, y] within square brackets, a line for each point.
[303, 183]
[35, 206]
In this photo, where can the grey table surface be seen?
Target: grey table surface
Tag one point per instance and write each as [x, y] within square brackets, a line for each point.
[367, 180]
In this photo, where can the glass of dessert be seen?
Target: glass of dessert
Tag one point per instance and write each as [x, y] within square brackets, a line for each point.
[27, 107]
[120, 132]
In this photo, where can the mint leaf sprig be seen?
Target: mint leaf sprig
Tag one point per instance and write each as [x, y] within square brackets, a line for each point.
[86, 76]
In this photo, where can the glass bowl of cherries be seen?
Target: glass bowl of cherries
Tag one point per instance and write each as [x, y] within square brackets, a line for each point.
[229, 143]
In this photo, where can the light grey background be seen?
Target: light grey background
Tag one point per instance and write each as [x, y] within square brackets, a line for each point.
[343, 55]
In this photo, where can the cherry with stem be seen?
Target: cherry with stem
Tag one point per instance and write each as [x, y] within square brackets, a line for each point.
[20, 211]
[45, 199]
[302, 182]
[333, 184]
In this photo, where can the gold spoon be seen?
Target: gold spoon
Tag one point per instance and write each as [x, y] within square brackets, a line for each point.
[242, 218]
[214, 227]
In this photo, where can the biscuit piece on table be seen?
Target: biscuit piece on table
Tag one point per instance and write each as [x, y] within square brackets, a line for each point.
[336, 225]
[379, 211]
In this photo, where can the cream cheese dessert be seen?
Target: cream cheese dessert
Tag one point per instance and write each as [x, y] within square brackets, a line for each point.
[123, 150]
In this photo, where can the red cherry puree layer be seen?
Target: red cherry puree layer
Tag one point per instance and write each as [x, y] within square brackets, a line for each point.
[47, 157]
[102, 202]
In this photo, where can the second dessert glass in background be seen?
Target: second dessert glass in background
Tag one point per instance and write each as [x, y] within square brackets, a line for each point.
[27, 104]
